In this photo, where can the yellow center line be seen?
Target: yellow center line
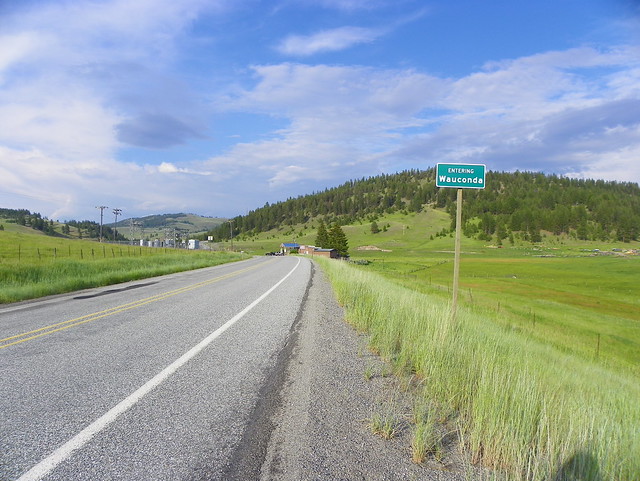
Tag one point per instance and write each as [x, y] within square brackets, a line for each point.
[60, 326]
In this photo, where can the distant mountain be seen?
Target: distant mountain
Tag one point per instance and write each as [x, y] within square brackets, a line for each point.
[157, 225]
[520, 204]
[152, 226]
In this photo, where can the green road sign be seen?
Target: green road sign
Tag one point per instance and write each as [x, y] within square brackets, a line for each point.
[460, 176]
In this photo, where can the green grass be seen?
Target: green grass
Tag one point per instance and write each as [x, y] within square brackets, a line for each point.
[520, 405]
[33, 266]
[384, 421]
[587, 306]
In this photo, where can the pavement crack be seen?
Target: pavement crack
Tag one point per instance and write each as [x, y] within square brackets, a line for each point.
[249, 456]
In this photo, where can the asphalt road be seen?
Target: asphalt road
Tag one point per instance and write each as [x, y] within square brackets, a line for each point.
[154, 379]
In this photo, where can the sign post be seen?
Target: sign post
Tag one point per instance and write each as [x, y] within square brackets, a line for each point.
[460, 176]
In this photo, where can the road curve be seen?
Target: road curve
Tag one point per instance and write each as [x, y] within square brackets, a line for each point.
[154, 379]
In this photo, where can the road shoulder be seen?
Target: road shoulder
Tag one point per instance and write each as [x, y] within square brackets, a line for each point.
[321, 426]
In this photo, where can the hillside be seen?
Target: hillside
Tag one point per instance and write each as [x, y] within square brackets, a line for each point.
[149, 227]
[155, 226]
[514, 206]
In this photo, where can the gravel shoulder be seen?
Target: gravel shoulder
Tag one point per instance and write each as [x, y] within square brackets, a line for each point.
[320, 426]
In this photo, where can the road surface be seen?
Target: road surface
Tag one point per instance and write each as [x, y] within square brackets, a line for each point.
[155, 379]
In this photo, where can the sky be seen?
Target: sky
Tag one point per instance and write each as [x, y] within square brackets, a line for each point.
[216, 107]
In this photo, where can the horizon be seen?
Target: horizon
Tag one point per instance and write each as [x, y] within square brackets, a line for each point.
[166, 214]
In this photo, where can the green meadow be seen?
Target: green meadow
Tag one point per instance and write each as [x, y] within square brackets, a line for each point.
[34, 265]
[561, 292]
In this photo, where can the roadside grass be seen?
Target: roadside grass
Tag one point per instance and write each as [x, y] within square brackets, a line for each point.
[44, 266]
[384, 422]
[521, 405]
[427, 437]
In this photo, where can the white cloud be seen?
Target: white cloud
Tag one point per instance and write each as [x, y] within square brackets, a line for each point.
[110, 65]
[67, 122]
[538, 112]
[333, 94]
[611, 165]
[351, 5]
[66, 89]
[327, 41]
[340, 118]
[17, 47]
[342, 38]
[169, 168]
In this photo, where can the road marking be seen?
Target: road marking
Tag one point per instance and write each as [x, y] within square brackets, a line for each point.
[60, 326]
[48, 464]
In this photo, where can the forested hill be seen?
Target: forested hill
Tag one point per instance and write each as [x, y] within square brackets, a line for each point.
[518, 202]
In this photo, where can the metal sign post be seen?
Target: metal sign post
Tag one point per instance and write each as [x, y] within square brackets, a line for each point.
[460, 176]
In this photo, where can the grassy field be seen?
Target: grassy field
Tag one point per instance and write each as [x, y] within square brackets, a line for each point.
[584, 305]
[33, 265]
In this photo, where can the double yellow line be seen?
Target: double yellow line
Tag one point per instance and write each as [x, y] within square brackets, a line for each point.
[60, 326]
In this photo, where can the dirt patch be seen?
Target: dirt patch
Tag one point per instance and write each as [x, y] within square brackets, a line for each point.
[372, 248]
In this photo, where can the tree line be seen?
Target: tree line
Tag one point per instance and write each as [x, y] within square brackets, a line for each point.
[512, 203]
[84, 229]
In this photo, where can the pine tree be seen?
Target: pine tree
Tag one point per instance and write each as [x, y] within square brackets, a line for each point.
[322, 239]
[338, 240]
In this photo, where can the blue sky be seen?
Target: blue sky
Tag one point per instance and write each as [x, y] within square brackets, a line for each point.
[218, 106]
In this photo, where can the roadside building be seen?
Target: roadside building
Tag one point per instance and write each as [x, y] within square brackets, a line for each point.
[318, 251]
[289, 248]
[307, 250]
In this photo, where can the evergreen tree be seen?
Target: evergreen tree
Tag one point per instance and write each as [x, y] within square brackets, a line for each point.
[322, 239]
[583, 230]
[338, 240]
[501, 233]
[374, 227]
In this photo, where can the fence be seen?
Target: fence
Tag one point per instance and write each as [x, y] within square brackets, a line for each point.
[31, 253]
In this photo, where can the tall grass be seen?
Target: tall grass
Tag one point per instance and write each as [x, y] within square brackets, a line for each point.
[520, 405]
[28, 280]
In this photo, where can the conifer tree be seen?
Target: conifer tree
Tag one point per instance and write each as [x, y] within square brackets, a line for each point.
[322, 239]
[338, 240]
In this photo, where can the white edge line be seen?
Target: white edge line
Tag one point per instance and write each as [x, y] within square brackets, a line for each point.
[49, 463]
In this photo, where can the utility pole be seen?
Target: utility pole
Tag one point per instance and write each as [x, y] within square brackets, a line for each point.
[116, 212]
[102, 208]
[133, 229]
[231, 232]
